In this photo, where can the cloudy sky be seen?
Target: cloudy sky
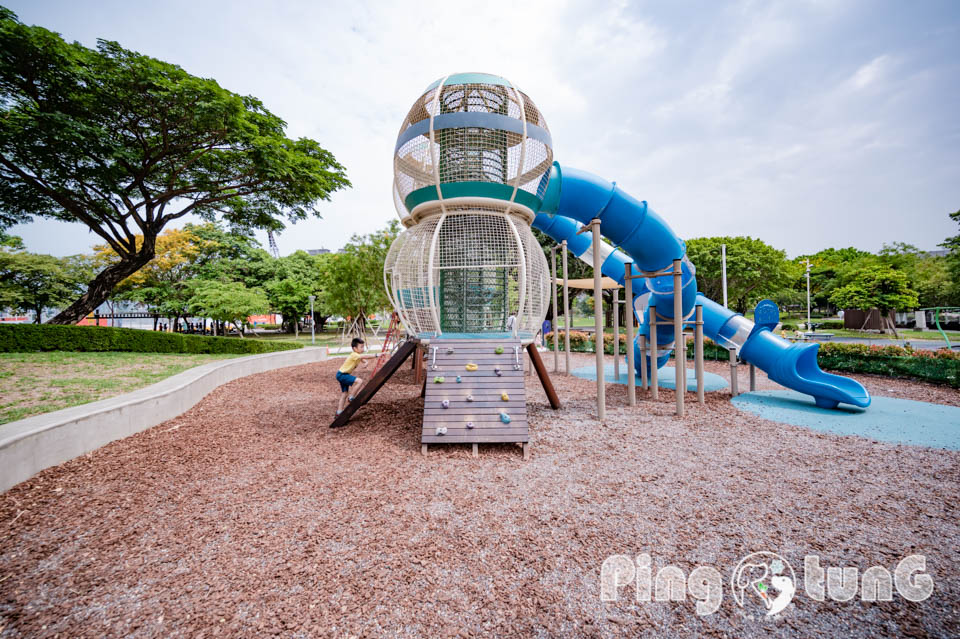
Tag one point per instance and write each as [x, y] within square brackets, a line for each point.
[807, 124]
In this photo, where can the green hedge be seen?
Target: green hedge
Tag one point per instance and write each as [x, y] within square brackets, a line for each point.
[26, 338]
[828, 325]
[939, 367]
[710, 350]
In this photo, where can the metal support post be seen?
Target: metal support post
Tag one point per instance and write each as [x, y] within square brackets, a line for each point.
[734, 381]
[654, 387]
[598, 320]
[643, 362]
[698, 352]
[556, 336]
[680, 359]
[631, 364]
[753, 377]
[616, 334]
[566, 311]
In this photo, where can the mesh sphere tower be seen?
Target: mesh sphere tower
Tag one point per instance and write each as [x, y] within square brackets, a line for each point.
[471, 166]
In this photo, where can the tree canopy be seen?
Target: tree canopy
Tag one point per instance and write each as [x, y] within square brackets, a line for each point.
[226, 301]
[353, 278]
[953, 260]
[31, 282]
[126, 143]
[754, 269]
[879, 286]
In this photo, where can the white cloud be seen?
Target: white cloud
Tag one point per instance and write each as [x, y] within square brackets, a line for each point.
[870, 73]
[743, 118]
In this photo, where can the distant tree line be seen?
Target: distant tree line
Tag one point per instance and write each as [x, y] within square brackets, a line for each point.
[898, 277]
[203, 270]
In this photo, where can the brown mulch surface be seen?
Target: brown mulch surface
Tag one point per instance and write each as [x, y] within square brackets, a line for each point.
[247, 516]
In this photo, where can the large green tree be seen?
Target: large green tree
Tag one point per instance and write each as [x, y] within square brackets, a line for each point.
[928, 275]
[878, 287]
[295, 278]
[754, 269]
[30, 282]
[230, 255]
[953, 259]
[352, 280]
[226, 302]
[829, 269]
[125, 144]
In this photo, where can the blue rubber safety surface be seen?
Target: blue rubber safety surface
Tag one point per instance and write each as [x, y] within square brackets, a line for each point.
[666, 378]
[888, 419]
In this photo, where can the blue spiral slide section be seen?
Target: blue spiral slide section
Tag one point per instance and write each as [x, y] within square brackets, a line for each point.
[645, 241]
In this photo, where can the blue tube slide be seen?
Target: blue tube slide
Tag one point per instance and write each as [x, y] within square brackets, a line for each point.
[645, 240]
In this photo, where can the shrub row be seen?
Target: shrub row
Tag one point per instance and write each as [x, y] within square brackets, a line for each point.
[25, 338]
[940, 367]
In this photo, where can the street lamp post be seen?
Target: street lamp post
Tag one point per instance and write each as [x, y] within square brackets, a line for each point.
[723, 271]
[313, 336]
[808, 294]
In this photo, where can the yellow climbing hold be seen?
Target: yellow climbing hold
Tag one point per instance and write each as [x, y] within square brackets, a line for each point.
[504, 396]
[471, 367]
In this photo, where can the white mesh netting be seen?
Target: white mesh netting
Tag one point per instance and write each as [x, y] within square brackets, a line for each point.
[471, 153]
[486, 267]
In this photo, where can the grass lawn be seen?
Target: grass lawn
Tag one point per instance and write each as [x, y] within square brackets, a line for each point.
[35, 383]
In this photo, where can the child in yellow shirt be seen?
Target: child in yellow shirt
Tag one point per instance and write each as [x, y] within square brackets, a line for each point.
[345, 376]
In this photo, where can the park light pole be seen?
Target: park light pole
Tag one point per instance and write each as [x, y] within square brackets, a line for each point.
[808, 293]
[723, 271]
[313, 336]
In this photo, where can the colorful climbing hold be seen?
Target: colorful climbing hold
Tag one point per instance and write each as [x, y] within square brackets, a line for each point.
[469, 425]
[471, 367]
[504, 418]
[458, 379]
[445, 403]
[499, 350]
[504, 396]
[442, 430]
[469, 398]
[438, 380]
[498, 371]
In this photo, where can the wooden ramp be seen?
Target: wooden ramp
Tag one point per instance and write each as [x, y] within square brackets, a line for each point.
[448, 358]
[376, 382]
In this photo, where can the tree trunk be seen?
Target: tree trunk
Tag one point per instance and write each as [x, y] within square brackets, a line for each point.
[892, 324]
[104, 283]
[39, 314]
[236, 325]
[296, 327]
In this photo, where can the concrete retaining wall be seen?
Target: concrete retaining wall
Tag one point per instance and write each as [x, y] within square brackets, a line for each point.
[30, 445]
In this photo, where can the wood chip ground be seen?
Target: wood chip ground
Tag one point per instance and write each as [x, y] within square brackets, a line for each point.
[248, 517]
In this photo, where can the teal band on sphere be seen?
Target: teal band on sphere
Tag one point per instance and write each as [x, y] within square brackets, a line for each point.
[471, 189]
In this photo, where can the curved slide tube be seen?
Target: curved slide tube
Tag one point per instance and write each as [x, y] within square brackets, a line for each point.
[574, 197]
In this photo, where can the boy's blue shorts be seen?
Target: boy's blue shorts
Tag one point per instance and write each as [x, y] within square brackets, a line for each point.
[346, 381]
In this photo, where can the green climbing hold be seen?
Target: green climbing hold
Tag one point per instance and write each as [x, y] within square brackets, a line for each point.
[438, 380]
[499, 350]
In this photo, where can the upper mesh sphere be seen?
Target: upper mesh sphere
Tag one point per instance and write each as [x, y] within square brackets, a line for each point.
[488, 140]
